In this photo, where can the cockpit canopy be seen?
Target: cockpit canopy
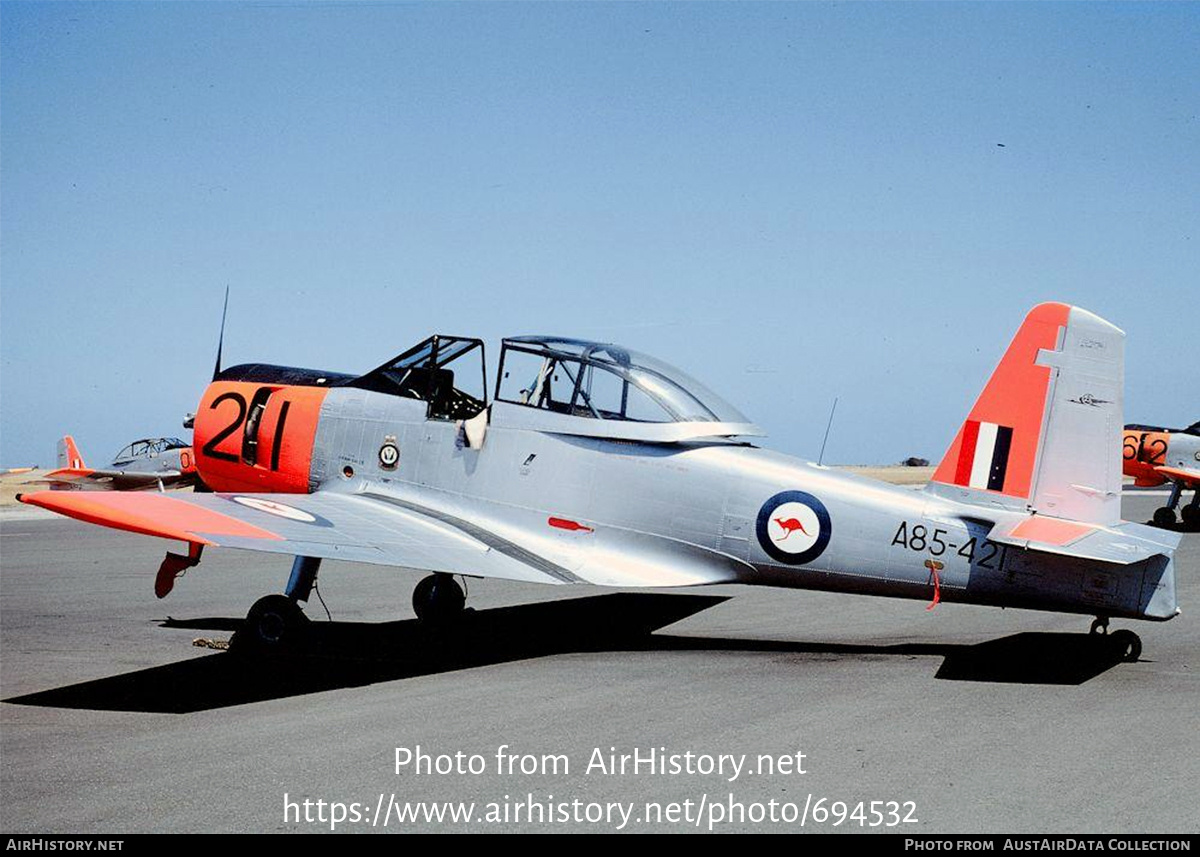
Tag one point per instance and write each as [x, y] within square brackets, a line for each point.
[604, 382]
[422, 372]
[552, 384]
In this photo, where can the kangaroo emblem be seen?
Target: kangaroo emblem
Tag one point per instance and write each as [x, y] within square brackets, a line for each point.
[790, 526]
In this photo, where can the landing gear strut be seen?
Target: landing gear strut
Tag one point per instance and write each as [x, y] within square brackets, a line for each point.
[1126, 644]
[276, 622]
[438, 598]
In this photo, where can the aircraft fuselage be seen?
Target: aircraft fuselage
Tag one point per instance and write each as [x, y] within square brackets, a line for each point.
[780, 521]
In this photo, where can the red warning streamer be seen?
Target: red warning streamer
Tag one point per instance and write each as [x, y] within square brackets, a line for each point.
[934, 567]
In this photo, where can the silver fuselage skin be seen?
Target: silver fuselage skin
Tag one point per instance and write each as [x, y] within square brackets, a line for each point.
[882, 539]
[1184, 451]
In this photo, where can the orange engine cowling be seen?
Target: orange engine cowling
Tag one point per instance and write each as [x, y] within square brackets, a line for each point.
[256, 437]
[1142, 452]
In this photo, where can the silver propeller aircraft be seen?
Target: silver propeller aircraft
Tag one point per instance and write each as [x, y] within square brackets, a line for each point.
[592, 463]
[152, 462]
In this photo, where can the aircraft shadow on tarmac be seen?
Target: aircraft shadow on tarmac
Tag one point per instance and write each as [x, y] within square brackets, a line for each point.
[344, 654]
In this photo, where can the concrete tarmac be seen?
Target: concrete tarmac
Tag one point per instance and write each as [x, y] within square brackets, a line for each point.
[966, 719]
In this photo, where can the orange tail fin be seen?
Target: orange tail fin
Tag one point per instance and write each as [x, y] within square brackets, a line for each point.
[1045, 433]
[69, 456]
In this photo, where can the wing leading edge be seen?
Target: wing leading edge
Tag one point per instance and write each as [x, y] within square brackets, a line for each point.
[462, 537]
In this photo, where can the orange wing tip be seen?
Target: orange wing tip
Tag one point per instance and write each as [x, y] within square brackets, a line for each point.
[1188, 476]
[1051, 531]
[148, 514]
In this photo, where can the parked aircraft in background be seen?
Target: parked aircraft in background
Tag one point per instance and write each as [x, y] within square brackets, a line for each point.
[1154, 455]
[153, 462]
[593, 463]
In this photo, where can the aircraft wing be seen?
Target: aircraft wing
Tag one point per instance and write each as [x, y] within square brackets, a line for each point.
[106, 480]
[408, 530]
[1181, 474]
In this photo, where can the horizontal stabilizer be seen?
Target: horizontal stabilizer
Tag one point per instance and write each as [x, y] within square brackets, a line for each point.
[1124, 543]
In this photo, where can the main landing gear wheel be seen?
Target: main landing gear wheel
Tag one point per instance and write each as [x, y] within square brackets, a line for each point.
[1164, 516]
[274, 623]
[1127, 644]
[1191, 515]
[438, 598]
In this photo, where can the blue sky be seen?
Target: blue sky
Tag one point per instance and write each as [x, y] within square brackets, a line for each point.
[790, 201]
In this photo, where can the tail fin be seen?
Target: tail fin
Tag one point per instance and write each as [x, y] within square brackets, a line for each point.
[1045, 433]
[68, 455]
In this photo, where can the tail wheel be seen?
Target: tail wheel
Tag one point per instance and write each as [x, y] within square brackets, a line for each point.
[1127, 644]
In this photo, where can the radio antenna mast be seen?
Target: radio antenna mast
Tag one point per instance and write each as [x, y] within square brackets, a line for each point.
[828, 425]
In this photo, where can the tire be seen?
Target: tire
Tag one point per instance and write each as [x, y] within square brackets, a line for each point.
[1164, 516]
[1127, 645]
[274, 623]
[438, 598]
[1191, 515]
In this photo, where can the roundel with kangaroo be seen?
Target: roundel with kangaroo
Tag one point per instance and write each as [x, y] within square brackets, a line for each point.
[794, 527]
